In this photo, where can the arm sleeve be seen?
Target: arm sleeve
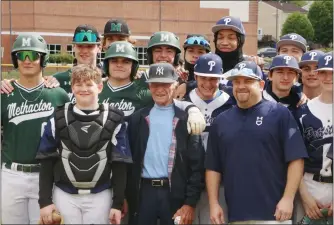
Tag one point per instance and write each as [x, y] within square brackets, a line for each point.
[183, 105]
[195, 185]
[118, 180]
[190, 85]
[293, 144]
[213, 157]
[49, 142]
[121, 152]
[46, 180]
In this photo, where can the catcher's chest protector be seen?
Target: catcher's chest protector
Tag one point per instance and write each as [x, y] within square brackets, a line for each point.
[84, 144]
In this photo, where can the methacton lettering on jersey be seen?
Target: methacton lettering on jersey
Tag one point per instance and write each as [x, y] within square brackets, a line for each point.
[24, 112]
[124, 106]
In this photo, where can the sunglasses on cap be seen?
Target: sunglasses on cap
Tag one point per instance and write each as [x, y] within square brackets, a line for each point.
[32, 55]
[197, 41]
[245, 72]
[85, 37]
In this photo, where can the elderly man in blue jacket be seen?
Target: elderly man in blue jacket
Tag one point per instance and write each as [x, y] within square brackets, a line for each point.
[167, 175]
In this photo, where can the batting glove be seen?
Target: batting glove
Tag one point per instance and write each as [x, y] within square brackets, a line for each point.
[196, 122]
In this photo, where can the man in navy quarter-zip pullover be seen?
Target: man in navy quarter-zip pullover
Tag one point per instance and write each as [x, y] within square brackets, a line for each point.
[258, 150]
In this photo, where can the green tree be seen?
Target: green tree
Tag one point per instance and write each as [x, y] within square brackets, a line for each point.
[298, 23]
[321, 18]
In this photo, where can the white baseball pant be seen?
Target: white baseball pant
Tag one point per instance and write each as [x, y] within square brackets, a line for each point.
[83, 208]
[19, 197]
[202, 212]
[321, 192]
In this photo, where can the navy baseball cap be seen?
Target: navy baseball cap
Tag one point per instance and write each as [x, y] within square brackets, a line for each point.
[292, 39]
[209, 65]
[284, 61]
[86, 34]
[229, 23]
[326, 62]
[162, 73]
[311, 56]
[246, 69]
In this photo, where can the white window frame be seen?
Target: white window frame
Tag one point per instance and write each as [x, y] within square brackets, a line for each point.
[70, 52]
[141, 54]
[54, 50]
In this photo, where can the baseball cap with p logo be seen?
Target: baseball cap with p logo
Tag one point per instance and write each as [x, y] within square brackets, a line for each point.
[246, 69]
[284, 61]
[326, 62]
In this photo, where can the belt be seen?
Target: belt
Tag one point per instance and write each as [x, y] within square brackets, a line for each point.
[29, 168]
[162, 182]
[319, 178]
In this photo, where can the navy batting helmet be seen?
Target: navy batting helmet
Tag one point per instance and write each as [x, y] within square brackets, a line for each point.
[209, 65]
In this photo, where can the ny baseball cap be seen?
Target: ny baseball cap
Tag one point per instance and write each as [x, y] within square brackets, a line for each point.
[209, 65]
[229, 23]
[86, 34]
[311, 56]
[162, 73]
[246, 69]
[326, 62]
[116, 26]
[284, 61]
[292, 39]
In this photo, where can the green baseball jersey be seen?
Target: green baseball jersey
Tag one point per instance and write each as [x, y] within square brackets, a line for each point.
[128, 98]
[24, 113]
[64, 79]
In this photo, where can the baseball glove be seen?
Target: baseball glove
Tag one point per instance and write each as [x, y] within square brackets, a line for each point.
[56, 218]
[323, 221]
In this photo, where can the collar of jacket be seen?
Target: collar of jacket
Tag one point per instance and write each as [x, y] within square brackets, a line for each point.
[181, 115]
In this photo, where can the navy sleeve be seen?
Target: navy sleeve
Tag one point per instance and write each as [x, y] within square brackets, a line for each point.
[121, 152]
[213, 155]
[49, 142]
[293, 144]
[330, 152]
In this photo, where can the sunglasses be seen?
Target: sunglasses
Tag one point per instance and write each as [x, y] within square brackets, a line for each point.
[197, 41]
[32, 55]
[85, 37]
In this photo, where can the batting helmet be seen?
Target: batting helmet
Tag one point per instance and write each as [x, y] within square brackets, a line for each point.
[121, 49]
[164, 38]
[30, 42]
[229, 23]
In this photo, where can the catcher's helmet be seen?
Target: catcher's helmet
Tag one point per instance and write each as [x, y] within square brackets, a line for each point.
[30, 42]
[164, 38]
[121, 49]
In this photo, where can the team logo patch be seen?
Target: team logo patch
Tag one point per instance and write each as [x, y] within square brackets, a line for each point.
[328, 58]
[312, 55]
[293, 36]
[259, 120]
[116, 27]
[227, 20]
[85, 128]
[26, 42]
[287, 59]
[120, 48]
[160, 71]
[241, 66]
[211, 64]
[164, 37]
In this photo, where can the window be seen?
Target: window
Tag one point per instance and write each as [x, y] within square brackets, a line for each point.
[141, 53]
[69, 49]
[54, 48]
[100, 57]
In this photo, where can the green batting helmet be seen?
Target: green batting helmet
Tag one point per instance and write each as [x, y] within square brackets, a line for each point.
[164, 38]
[30, 42]
[121, 49]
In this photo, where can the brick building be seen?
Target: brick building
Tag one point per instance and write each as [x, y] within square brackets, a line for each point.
[56, 20]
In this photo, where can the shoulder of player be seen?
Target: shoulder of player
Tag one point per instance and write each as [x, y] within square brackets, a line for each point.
[62, 74]
[115, 110]
[56, 90]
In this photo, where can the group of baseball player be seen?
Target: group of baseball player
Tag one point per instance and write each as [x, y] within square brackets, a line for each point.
[213, 141]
